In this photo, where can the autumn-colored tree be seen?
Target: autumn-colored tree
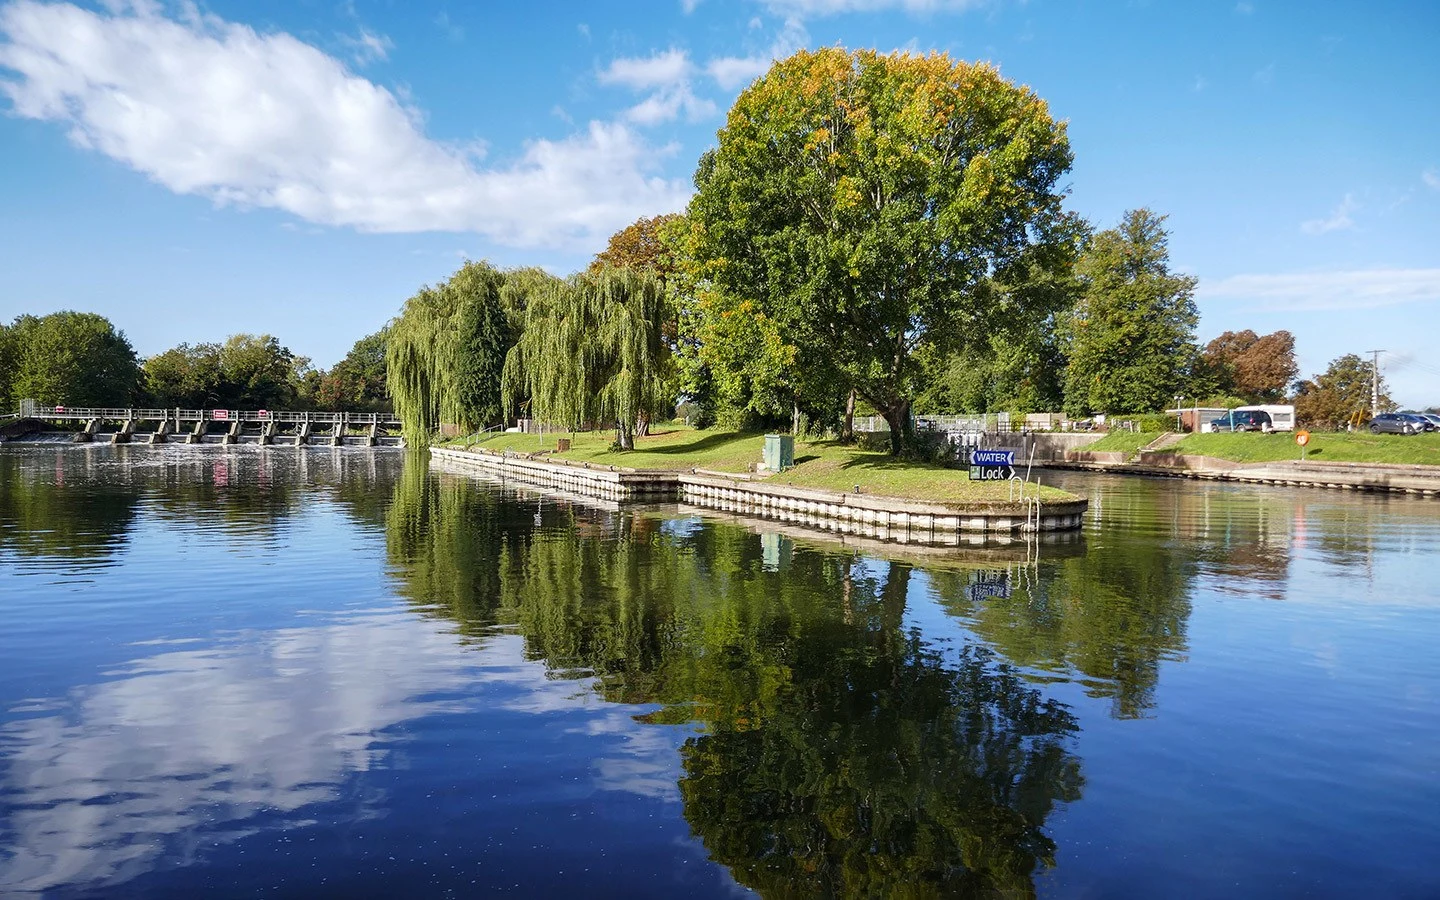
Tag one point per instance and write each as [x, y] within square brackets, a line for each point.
[1341, 395]
[860, 200]
[1259, 368]
[640, 246]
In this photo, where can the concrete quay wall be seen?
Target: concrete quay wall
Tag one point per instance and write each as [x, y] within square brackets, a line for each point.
[883, 518]
[1367, 477]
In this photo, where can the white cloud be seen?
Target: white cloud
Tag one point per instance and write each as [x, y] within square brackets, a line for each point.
[668, 75]
[645, 72]
[731, 72]
[1338, 220]
[1431, 177]
[818, 8]
[213, 108]
[1313, 291]
[1243, 8]
[689, 5]
[368, 47]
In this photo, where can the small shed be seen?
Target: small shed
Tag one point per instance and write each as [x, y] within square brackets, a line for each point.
[1194, 418]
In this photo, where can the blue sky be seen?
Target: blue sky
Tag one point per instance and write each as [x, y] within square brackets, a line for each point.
[300, 168]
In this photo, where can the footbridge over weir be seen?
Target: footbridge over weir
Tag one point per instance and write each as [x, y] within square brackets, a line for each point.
[196, 426]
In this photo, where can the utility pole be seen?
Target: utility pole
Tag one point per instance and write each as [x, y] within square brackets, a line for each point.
[1375, 383]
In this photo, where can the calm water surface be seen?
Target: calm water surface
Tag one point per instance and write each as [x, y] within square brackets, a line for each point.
[282, 672]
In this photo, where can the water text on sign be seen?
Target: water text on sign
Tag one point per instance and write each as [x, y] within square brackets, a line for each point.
[992, 457]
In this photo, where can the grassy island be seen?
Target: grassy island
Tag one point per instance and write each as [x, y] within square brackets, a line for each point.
[822, 465]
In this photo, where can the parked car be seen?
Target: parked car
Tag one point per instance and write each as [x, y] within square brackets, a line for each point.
[1243, 420]
[1397, 423]
[1432, 418]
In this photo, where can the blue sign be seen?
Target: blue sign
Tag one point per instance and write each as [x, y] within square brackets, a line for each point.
[992, 457]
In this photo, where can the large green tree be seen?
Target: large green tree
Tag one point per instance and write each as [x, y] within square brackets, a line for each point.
[446, 351]
[861, 200]
[594, 350]
[1131, 336]
[67, 358]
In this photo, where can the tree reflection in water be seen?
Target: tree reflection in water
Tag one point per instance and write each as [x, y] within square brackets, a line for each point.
[835, 753]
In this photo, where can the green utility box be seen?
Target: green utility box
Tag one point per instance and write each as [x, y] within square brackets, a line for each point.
[779, 452]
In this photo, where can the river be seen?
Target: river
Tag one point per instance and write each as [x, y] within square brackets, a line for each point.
[313, 672]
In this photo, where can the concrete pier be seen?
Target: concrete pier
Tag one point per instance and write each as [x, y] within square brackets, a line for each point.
[87, 434]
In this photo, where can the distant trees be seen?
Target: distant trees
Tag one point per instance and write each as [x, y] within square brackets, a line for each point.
[357, 382]
[246, 371]
[66, 358]
[1258, 368]
[1340, 395]
[1131, 337]
[860, 200]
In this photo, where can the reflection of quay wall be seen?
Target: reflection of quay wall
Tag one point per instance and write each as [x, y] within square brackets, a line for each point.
[1373, 477]
[881, 518]
[969, 552]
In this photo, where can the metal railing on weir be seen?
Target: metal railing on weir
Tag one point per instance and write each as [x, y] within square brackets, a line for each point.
[249, 416]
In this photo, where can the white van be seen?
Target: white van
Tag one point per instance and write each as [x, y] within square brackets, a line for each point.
[1282, 416]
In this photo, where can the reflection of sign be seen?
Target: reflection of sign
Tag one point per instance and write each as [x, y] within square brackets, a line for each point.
[219, 414]
[992, 465]
[1302, 437]
[989, 586]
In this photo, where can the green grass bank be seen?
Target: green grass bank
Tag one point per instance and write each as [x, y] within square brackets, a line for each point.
[823, 465]
[1361, 447]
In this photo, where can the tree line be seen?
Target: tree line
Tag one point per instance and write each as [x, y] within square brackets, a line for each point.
[872, 233]
[80, 359]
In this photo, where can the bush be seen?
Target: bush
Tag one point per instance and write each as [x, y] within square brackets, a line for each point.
[1141, 422]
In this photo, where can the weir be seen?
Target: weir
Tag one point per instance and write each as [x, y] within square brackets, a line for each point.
[192, 426]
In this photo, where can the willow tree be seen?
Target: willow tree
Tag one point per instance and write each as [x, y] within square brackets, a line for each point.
[448, 347]
[863, 200]
[593, 350]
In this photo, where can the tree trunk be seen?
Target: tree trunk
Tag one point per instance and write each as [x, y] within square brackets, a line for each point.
[902, 435]
[847, 424]
[642, 427]
[624, 436]
[795, 419]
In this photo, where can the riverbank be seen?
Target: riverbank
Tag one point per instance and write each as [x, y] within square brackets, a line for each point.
[819, 465]
[886, 518]
[1366, 477]
[1324, 447]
